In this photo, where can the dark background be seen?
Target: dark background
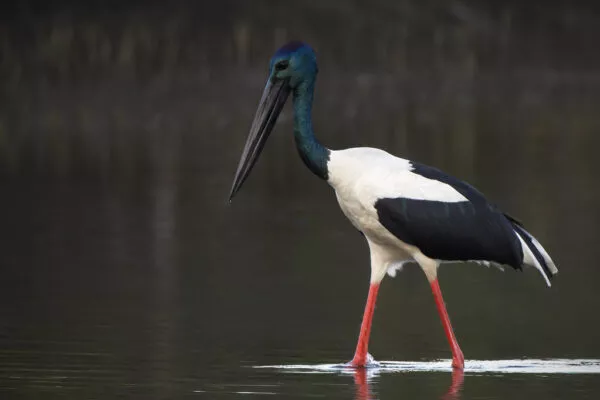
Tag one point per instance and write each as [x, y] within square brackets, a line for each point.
[124, 272]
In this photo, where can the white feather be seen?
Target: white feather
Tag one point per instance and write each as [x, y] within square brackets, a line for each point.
[376, 174]
[547, 259]
[396, 267]
[529, 259]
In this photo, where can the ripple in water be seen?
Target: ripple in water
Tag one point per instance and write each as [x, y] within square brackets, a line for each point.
[523, 366]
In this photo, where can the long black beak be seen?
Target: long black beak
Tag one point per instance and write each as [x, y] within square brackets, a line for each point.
[271, 103]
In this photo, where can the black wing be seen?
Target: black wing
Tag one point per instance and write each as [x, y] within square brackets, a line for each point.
[457, 231]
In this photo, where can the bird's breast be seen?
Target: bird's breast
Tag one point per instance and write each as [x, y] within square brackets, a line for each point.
[362, 215]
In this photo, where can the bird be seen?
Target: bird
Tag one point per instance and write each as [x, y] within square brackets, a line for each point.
[407, 211]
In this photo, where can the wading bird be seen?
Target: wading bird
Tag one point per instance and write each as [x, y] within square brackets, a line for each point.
[406, 211]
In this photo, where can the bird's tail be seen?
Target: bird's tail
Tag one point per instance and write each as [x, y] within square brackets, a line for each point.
[534, 254]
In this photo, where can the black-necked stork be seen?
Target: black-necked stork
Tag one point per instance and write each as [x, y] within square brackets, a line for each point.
[407, 211]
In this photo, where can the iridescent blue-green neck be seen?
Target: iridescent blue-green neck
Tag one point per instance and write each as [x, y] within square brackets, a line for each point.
[313, 153]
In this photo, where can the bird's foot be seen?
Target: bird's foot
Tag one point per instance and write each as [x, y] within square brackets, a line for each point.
[458, 360]
[363, 362]
[458, 364]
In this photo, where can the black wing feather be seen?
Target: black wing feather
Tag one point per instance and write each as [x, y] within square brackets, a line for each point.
[452, 231]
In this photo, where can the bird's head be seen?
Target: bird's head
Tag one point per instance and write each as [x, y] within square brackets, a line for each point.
[291, 66]
[294, 64]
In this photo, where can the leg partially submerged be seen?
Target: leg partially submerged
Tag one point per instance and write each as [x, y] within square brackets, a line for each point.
[458, 361]
[360, 356]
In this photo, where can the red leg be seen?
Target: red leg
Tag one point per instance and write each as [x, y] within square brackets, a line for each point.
[458, 361]
[360, 356]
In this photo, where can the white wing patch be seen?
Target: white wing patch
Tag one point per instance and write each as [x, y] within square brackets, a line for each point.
[374, 174]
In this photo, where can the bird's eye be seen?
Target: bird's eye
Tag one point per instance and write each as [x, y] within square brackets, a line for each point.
[281, 65]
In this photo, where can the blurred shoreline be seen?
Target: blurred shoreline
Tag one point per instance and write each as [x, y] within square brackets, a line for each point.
[110, 86]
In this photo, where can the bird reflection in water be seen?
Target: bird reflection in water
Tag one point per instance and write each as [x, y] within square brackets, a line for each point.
[361, 383]
[453, 393]
[362, 389]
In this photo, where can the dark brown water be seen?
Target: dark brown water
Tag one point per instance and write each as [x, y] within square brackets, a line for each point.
[142, 282]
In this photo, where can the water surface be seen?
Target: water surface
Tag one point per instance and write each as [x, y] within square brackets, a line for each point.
[133, 277]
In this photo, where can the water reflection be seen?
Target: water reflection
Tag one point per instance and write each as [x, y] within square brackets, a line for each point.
[458, 377]
[367, 385]
[362, 382]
